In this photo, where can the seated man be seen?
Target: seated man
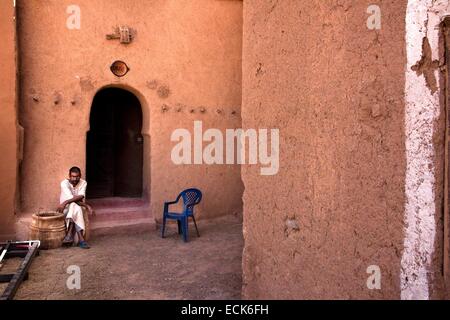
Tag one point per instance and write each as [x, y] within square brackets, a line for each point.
[73, 193]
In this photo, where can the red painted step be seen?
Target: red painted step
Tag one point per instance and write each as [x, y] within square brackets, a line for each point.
[120, 214]
[117, 203]
[119, 209]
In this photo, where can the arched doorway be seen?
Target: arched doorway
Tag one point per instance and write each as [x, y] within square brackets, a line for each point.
[115, 145]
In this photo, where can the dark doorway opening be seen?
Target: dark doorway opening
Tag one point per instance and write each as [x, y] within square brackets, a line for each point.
[115, 145]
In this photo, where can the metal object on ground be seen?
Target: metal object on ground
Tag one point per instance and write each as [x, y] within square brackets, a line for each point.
[3, 253]
[26, 250]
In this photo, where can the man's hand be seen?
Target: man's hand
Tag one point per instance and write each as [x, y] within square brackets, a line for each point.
[88, 208]
[61, 208]
[63, 205]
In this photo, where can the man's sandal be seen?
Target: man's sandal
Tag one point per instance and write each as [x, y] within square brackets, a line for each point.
[84, 245]
[67, 242]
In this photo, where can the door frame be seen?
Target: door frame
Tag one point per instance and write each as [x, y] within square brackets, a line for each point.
[145, 132]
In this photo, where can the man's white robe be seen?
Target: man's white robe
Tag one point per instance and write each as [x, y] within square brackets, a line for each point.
[73, 211]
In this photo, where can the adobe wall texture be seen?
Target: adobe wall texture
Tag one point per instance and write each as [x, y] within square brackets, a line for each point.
[191, 48]
[8, 119]
[339, 204]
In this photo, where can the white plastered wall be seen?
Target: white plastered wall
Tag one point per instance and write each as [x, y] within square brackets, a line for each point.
[422, 110]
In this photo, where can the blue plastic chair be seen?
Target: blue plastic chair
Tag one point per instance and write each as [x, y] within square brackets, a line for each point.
[191, 198]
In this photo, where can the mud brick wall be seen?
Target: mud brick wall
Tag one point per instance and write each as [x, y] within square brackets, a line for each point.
[185, 58]
[336, 91]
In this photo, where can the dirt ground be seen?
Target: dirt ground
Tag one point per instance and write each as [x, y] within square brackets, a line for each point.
[142, 265]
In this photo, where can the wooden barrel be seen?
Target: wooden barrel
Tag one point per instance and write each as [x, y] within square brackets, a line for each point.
[49, 228]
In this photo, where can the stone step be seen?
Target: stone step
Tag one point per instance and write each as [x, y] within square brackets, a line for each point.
[113, 216]
[117, 202]
[121, 214]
